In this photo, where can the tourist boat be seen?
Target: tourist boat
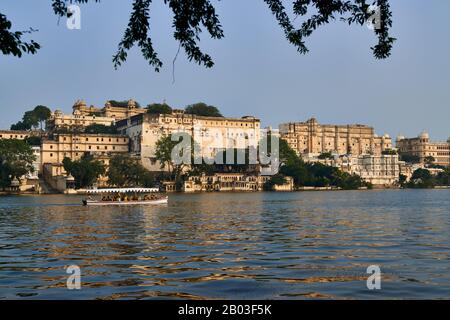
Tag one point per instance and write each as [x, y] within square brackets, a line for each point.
[125, 197]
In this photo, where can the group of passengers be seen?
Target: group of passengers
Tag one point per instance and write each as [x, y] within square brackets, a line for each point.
[126, 198]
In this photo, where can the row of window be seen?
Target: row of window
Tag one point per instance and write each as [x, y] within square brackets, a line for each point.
[98, 139]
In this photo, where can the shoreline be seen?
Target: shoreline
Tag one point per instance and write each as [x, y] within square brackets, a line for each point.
[304, 189]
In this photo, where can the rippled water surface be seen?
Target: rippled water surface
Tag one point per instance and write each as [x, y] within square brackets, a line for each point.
[229, 246]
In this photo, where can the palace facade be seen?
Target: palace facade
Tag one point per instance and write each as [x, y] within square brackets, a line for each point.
[421, 147]
[75, 121]
[75, 145]
[310, 137]
[212, 134]
[18, 135]
[117, 112]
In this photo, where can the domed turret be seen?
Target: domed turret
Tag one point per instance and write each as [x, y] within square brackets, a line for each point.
[131, 104]
[400, 138]
[424, 135]
[80, 103]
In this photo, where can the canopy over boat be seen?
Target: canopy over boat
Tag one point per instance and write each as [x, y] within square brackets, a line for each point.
[123, 190]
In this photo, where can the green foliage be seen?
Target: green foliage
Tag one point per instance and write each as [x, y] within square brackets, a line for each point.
[191, 17]
[126, 171]
[42, 113]
[402, 180]
[122, 104]
[86, 171]
[20, 126]
[100, 129]
[276, 180]
[388, 152]
[314, 174]
[422, 178]
[16, 160]
[409, 158]
[159, 108]
[11, 42]
[326, 155]
[429, 160]
[202, 109]
[240, 160]
[163, 154]
[33, 119]
[33, 141]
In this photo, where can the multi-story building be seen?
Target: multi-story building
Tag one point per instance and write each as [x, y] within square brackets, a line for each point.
[19, 135]
[75, 145]
[421, 147]
[76, 121]
[379, 170]
[232, 182]
[212, 134]
[382, 170]
[118, 112]
[310, 137]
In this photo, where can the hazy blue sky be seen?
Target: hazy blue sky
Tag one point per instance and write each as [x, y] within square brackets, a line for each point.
[257, 72]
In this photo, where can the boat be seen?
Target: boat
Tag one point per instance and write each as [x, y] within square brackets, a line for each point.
[125, 197]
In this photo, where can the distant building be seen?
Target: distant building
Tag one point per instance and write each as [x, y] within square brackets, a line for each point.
[213, 134]
[379, 170]
[421, 147]
[75, 121]
[75, 145]
[232, 182]
[36, 163]
[310, 137]
[117, 112]
[19, 135]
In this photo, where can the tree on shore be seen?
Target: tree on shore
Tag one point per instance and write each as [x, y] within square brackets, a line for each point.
[424, 179]
[126, 171]
[86, 171]
[16, 160]
[191, 17]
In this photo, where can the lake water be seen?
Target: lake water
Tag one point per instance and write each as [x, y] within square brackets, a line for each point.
[229, 246]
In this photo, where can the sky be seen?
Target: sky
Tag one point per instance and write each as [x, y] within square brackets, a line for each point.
[257, 72]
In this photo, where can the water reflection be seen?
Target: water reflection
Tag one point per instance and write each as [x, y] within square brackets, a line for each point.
[243, 246]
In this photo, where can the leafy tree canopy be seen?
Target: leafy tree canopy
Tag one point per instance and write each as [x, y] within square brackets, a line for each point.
[16, 160]
[191, 17]
[34, 141]
[86, 171]
[126, 171]
[122, 104]
[159, 108]
[96, 128]
[326, 155]
[202, 109]
[33, 119]
[409, 158]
